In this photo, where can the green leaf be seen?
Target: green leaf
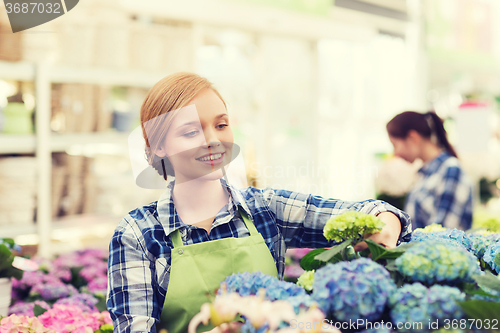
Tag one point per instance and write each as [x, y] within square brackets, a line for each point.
[38, 310]
[308, 262]
[391, 265]
[497, 259]
[488, 281]
[476, 309]
[12, 272]
[101, 304]
[330, 253]
[379, 252]
[76, 280]
[6, 257]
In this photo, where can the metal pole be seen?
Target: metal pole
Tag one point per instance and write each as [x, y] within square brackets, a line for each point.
[44, 158]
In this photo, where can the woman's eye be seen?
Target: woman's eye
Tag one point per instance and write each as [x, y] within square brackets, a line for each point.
[222, 126]
[190, 134]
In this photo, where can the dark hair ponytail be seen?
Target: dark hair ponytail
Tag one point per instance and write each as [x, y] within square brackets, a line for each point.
[425, 124]
[441, 133]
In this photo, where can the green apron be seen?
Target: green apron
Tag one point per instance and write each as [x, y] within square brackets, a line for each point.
[198, 269]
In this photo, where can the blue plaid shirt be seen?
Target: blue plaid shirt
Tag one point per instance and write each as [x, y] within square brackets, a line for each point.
[442, 194]
[139, 256]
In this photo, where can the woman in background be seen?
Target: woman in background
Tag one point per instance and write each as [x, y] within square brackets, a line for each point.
[442, 193]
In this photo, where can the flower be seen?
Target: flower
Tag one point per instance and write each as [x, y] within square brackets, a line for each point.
[54, 290]
[21, 308]
[297, 253]
[261, 315]
[84, 301]
[98, 285]
[306, 280]
[293, 270]
[247, 284]
[71, 319]
[431, 228]
[432, 262]
[489, 256]
[452, 237]
[415, 303]
[17, 324]
[481, 242]
[351, 225]
[352, 290]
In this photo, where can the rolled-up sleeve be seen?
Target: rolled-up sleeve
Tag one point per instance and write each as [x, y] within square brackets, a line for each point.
[302, 217]
[131, 301]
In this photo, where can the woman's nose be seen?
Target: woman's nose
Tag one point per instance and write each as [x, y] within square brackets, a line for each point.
[211, 138]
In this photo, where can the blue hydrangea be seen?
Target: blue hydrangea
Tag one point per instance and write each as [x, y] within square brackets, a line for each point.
[489, 256]
[435, 262]
[415, 303]
[480, 242]
[452, 237]
[246, 284]
[357, 289]
[247, 327]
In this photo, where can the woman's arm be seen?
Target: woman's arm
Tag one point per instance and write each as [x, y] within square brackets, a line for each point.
[131, 302]
[301, 217]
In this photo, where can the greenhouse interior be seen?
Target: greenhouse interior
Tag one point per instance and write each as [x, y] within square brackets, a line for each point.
[324, 166]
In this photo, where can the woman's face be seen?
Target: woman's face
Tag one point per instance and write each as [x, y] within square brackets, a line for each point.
[405, 148]
[199, 141]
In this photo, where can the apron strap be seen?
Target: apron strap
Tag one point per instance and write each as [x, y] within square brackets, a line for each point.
[177, 240]
[248, 222]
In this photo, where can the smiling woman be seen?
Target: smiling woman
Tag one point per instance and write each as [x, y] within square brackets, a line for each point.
[167, 256]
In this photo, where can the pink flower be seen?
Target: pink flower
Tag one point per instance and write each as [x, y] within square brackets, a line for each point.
[23, 324]
[297, 253]
[71, 319]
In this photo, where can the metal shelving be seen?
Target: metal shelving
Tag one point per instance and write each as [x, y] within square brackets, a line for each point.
[44, 143]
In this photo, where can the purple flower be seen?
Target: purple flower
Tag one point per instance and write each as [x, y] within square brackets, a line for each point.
[84, 301]
[52, 291]
[98, 285]
[352, 290]
[26, 309]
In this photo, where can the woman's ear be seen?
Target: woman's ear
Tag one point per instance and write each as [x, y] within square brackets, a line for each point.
[161, 152]
[414, 137]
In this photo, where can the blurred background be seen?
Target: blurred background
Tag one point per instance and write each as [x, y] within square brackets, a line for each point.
[310, 85]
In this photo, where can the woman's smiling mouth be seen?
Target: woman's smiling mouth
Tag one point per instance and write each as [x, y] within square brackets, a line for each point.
[212, 158]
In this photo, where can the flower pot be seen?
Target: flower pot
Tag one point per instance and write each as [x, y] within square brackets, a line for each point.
[17, 119]
[5, 291]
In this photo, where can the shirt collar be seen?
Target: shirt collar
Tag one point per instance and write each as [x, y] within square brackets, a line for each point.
[167, 213]
[433, 165]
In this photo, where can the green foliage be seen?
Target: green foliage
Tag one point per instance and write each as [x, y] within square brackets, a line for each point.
[6, 260]
[101, 305]
[327, 255]
[76, 279]
[482, 310]
[308, 262]
[488, 281]
[38, 310]
[106, 328]
[379, 252]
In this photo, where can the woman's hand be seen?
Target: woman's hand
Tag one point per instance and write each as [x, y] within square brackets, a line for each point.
[389, 234]
[231, 327]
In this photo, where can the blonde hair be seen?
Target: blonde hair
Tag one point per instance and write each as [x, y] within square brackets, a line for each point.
[169, 94]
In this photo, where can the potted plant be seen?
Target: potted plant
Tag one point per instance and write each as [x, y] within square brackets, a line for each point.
[7, 271]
